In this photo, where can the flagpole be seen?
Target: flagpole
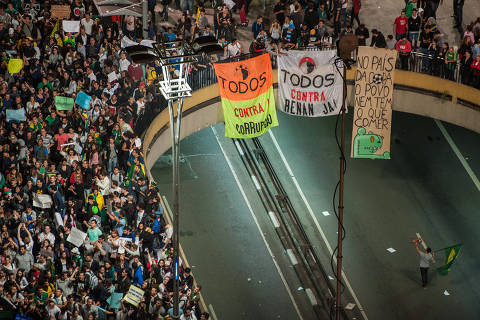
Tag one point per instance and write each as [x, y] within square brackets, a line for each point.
[448, 247]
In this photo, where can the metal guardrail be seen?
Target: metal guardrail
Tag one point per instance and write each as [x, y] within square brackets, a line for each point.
[417, 62]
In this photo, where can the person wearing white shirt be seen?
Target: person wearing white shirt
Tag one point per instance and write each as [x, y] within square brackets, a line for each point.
[123, 63]
[87, 23]
[46, 234]
[83, 35]
[103, 183]
[233, 49]
[52, 309]
[138, 142]
[91, 76]
[188, 315]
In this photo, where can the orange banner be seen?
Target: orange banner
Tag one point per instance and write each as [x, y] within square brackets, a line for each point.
[244, 80]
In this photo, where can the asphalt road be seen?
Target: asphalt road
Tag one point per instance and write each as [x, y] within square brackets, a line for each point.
[221, 239]
[424, 188]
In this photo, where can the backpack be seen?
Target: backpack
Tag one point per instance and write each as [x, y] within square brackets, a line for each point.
[91, 280]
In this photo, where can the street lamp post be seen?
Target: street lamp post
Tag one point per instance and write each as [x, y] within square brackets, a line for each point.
[174, 87]
[346, 45]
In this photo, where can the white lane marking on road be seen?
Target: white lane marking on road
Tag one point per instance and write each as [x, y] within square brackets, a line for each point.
[239, 148]
[325, 213]
[255, 182]
[274, 219]
[391, 250]
[458, 153]
[312, 215]
[311, 297]
[212, 312]
[292, 257]
[424, 244]
[258, 225]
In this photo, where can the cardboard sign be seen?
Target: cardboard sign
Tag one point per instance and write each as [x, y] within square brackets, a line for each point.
[134, 295]
[60, 11]
[372, 120]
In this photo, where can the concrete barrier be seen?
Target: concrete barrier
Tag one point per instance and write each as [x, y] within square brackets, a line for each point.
[414, 93]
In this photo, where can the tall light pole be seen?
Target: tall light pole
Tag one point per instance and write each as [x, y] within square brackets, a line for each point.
[174, 88]
[346, 45]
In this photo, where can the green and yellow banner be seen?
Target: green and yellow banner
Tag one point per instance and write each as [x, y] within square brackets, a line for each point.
[451, 254]
[246, 89]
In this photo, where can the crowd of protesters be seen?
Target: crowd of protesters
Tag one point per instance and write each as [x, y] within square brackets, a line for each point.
[80, 169]
[318, 24]
[89, 161]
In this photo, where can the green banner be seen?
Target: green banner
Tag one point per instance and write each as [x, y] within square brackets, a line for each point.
[63, 103]
[250, 118]
[451, 254]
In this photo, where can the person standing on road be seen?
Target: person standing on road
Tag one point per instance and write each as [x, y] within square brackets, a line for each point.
[426, 258]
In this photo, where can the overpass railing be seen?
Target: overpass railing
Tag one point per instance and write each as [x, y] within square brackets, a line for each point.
[417, 62]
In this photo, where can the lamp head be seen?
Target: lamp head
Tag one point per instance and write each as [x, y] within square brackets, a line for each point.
[207, 45]
[141, 54]
[346, 45]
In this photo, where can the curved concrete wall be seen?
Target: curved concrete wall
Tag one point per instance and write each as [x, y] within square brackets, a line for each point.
[414, 93]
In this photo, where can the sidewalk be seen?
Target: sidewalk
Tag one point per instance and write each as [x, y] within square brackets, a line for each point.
[374, 14]
[381, 14]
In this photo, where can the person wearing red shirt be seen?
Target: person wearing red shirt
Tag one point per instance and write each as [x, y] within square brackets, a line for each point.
[404, 47]
[357, 4]
[62, 138]
[476, 71]
[400, 26]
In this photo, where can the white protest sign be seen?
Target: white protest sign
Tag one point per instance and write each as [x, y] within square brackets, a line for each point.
[71, 26]
[112, 76]
[43, 201]
[309, 84]
[76, 237]
[126, 42]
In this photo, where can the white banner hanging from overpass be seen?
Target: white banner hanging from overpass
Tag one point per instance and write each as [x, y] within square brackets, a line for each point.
[309, 84]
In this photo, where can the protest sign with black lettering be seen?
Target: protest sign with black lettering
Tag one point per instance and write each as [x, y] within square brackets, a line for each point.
[372, 119]
[309, 84]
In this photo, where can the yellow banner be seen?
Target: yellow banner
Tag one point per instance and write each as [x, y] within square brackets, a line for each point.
[246, 89]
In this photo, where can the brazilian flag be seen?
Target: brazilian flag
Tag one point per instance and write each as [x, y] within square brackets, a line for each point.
[451, 254]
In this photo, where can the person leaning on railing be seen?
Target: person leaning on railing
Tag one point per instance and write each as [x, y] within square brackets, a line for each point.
[465, 69]
[475, 66]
